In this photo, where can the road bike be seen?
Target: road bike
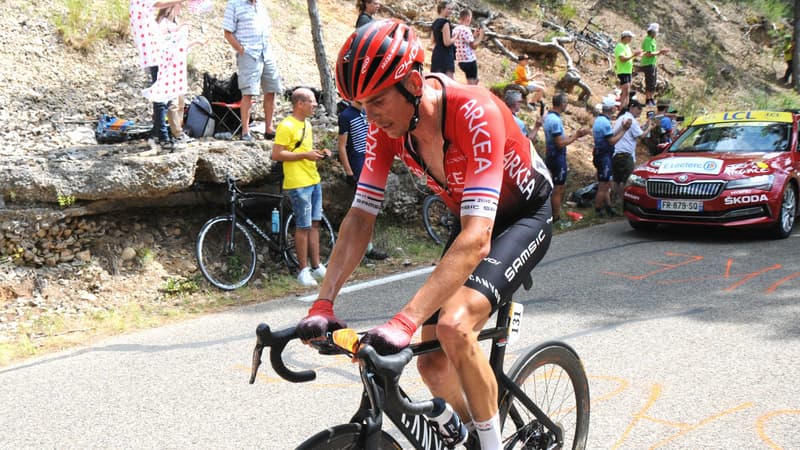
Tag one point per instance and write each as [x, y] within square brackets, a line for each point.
[543, 399]
[437, 218]
[596, 43]
[226, 250]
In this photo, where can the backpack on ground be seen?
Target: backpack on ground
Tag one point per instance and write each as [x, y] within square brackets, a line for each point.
[584, 197]
[200, 118]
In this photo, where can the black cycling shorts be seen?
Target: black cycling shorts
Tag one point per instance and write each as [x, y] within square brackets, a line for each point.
[516, 249]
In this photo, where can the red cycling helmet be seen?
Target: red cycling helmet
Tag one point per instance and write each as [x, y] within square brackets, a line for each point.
[376, 56]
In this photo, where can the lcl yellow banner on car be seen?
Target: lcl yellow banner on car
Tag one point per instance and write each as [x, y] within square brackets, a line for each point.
[744, 116]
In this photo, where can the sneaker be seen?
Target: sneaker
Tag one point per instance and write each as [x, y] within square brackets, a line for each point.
[376, 254]
[247, 138]
[319, 272]
[305, 278]
[610, 212]
[168, 145]
[184, 139]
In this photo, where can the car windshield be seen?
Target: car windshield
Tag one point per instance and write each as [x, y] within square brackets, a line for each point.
[743, 137]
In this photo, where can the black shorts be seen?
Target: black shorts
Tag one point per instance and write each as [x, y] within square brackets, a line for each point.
[470, 69]
[650, 77]
[624, 78]
[516, 249]
[622, 167]
[602, 162]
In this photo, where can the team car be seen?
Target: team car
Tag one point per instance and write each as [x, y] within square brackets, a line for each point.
[730, 169]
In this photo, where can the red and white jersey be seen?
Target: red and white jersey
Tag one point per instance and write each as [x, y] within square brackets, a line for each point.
[491, 168]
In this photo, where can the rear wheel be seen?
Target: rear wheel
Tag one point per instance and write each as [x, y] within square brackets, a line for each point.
[344, 437]
[437, 218]
[787, 214]
[552, 376]
[326, 240]
[226, 254]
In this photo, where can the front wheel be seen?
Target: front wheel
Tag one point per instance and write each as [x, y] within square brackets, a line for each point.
[787, 213]
[344, 437]
[553, 377]
[226, 254]
[326, 240]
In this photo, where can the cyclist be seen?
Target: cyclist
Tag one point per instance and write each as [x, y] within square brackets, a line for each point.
[466, 145]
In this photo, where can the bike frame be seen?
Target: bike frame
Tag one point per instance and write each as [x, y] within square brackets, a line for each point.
[276, 244]
[416, 427]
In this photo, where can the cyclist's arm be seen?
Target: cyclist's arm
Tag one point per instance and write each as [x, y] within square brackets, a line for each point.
[351, 245]
[470, 246]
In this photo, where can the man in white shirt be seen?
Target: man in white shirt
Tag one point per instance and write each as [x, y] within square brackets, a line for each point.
[625, 148]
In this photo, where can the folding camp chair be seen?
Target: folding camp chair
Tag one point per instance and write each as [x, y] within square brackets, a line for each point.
[231, 118]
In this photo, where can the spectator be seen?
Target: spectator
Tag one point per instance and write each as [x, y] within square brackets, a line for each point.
[366, 9]
[294, 146]
[649, 65]
[513, 99]
[443, 58]
[466, 41]
[788, 54]
[625, 148]
[623, 55]
[173, 68]
[556, 149]
[146, 39]
[604, 140]
[247, 27]
[352, 146]
[524, 77]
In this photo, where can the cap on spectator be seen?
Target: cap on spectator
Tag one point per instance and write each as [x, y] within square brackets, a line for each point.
[609, 101]
[652, 27]
[627, 33]
[635, 104]
[522, 57]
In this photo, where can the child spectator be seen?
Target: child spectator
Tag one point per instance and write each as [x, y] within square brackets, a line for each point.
[524, 77]
[466, 42]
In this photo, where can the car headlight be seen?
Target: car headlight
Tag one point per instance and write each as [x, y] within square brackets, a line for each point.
[636, 180]
[763, 182]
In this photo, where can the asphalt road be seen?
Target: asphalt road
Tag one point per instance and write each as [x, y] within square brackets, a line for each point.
[691, 339]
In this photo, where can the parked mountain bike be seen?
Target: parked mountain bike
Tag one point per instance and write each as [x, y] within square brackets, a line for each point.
[543, 399]
[591, 41]
[438, 219]
[226, 251]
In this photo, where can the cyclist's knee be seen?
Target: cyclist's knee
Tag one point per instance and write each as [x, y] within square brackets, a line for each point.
[433, 368]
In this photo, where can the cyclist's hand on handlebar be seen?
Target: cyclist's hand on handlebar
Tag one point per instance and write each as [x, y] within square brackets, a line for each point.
[391, 337]
[319, 321]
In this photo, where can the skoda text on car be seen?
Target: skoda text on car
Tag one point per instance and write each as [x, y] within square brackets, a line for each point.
[732, 169]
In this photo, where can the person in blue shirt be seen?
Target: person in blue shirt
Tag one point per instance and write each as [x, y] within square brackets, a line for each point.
[604, 140]
[556, 143]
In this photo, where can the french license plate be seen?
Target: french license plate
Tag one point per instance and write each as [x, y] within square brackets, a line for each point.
[680, 205]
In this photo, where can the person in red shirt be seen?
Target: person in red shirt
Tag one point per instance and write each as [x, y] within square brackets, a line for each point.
[463, 141]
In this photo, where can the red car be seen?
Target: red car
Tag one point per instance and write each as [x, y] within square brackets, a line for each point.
[732, 169]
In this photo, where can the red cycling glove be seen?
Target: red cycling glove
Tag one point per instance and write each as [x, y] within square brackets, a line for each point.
[320, 320]
[392, 336]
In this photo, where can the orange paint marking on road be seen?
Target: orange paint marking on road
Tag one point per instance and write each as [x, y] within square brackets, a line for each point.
[623, 385]
[761, 423]
[744, 278]
[655, 394]
[781, 281]
[664, 267]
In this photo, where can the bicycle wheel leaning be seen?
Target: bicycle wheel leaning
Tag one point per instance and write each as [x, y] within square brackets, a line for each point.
[345, 437]
[437, 218]
[226, 254]
[326, 240]
[553, 377]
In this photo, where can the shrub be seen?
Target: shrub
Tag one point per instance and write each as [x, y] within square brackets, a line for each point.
[83, 24]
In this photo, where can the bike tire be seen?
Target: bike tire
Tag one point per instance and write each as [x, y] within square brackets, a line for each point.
[226, 267]
[553, 377]
[327, 238]
[437, 218]
[345, 437]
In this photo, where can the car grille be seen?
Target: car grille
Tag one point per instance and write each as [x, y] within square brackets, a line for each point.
[696, 190]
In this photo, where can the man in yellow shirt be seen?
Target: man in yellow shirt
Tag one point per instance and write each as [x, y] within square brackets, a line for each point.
[294, 147]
